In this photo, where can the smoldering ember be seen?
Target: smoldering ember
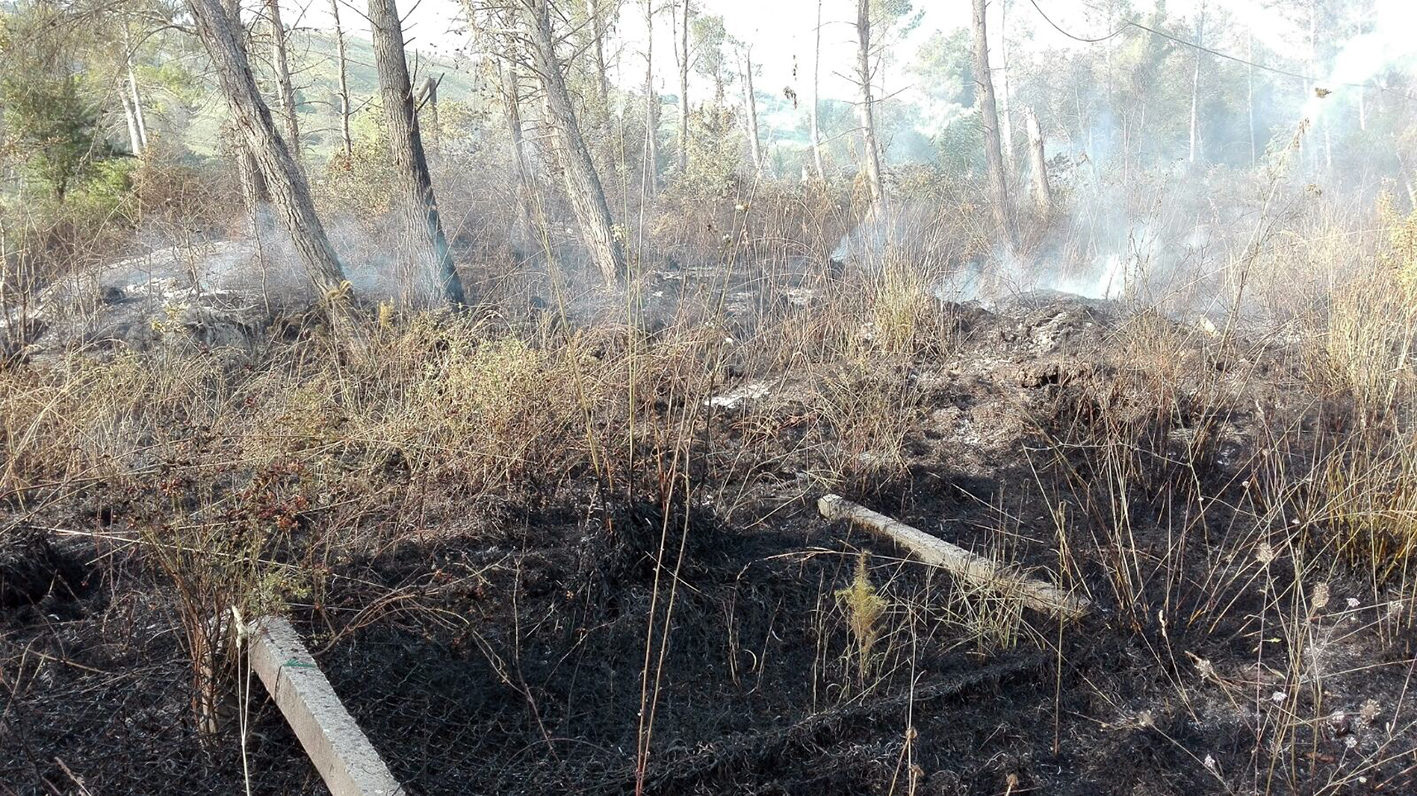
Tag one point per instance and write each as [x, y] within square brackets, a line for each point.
[673, 397]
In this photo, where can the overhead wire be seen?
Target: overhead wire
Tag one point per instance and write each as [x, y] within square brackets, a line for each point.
[1126, 24]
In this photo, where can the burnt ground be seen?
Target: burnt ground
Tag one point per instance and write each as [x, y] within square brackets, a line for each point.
[511, 657]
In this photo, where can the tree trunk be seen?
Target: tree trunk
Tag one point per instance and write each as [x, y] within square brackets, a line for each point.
[651, 109]
[597, 27]
[521, 170]
[253, 182]
[1006, 111]
[138, 123]
[344, 109]
[427, 108]
[285, 90]
[751, 109]
[1196, 88]
[816, 98]
[989, 117]
[582, 182]
[1250, 95]
[290, 194]
[425, 226]
[1038, 162]
[1312, 70]
[871, 154]
[684, 93]
[135, 142]
[138, 119]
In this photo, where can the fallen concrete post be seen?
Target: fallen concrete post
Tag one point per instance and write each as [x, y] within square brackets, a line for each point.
[340, 751]
[975, 569]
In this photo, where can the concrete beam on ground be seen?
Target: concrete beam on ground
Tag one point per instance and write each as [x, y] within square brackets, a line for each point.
[340, 751]
[968, 566]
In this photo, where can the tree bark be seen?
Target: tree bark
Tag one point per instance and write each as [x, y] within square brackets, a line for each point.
[989, 117]
[816, 98]
[344, 110]
[651, 109]
[285, 90]
[425, 225]
[582, 182]
[289, 193]
[253, 183]
[1038, 163]
[872, 153]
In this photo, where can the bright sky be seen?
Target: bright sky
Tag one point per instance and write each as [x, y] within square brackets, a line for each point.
[782, 32]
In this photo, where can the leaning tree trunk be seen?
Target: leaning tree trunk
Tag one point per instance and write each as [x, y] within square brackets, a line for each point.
[1038, 162]
[684, 93]
[425, 226]
[582, 182]
[137, 123]
[289, 193]
[344, 111]
[651, 108]
[989, 115]
[285, 90]
[872, 153]
[135, 141]
[816, 98]
[139, 120]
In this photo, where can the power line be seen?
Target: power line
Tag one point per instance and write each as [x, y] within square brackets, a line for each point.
[1183, 42]
[1113, 34]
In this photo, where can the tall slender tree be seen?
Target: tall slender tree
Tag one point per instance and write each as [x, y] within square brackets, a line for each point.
[989, 118]
[1195, 151]
[342, 56]
[521, 168]
[682, 51]
[602, 70]
[285, 89]
[750, 106]
[871, 152]
[425, 224]
[1038, 163]
[651, 108]
[816, 97]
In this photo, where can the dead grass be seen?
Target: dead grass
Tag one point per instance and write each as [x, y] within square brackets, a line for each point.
[250, 470]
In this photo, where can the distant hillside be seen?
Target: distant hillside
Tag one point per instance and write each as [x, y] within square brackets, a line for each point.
[316, 76]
